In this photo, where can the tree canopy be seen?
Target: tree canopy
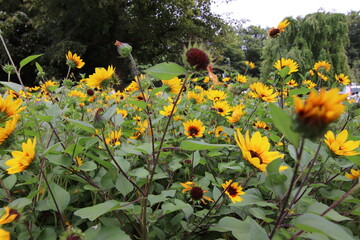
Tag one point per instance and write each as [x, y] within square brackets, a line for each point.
[157, 30]
[316, 37]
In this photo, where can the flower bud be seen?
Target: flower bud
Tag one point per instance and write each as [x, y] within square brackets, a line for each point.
[9, 69]
[123, 49]
[99, 121]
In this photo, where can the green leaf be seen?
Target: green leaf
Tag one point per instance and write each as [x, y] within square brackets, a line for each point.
[83, 125]
[140, 104]
[354, 159]
[109, 113]
[20, 203]
[313, 223]
[241, 230]
[123, 185]
[166, 71]
[61, 196]
[283, 72]
[178, 205]
[47, 234]
[28, 59]
[234, 165]
[88, 166]
[283, 122]
[299, 91]
[192, 145]
[275, 180]
[74, 149]
[12, 86]
[60, 159]
[163, 196]
[111, 233]
[96, 211]
[319, 208]
[39, 68]
[10, 181]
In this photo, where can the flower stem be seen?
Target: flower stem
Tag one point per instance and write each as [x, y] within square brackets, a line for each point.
[285, 201]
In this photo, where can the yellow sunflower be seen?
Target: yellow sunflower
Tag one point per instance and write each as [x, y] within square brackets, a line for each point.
[280, 64]
[216, 95]
[318, 110]
[274, 32]
[132, 87]
[238, 112]
[123, 112]
[353, 175]
[8, 107]
[219, 131]
[342, 79]
[167, 110]
[256, 150]
[309, 84]
[77, 93]
[250, 64]
[174, 84]
[141, 128]
[195, 97]
[221, 107]
[49, 85]
[322, 65]
[292, 83]
[114, 138]
[9, 128]
[260, 124]
[194, 128]
[4, 235]
[339, 145]
[234, 191]
[21, 160]
[101, 77]
[74, 60]
[259, 90]
[196, 192]
[79, 161]
[241, 78]
[322, 76]
[9, 216]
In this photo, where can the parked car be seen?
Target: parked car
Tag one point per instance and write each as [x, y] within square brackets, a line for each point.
[353, 91]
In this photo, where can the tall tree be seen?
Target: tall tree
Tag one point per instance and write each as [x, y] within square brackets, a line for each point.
[316, 37]
[353, 50]
[157, 30]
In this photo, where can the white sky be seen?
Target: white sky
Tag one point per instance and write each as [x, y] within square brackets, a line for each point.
[268, 13]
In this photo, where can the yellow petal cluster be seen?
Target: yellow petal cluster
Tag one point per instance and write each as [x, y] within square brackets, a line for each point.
[21, 159]
[256, 150]
[320, 109]
[100, 75]
[265, 93]
[194, 128]
[339, 145]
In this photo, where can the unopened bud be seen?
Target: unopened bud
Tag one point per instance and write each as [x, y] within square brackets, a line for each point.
[9, 69]
[99, 121]
[123, 49]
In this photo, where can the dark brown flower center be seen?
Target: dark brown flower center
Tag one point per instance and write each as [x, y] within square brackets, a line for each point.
[255, 154]
[274, 32]
[197, 58]
[193, 131]
[196, 193]
[232, 191]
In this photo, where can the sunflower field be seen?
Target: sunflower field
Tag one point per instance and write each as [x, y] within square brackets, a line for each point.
[179, 153]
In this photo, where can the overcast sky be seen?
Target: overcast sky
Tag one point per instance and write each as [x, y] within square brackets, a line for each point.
[268, 13]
